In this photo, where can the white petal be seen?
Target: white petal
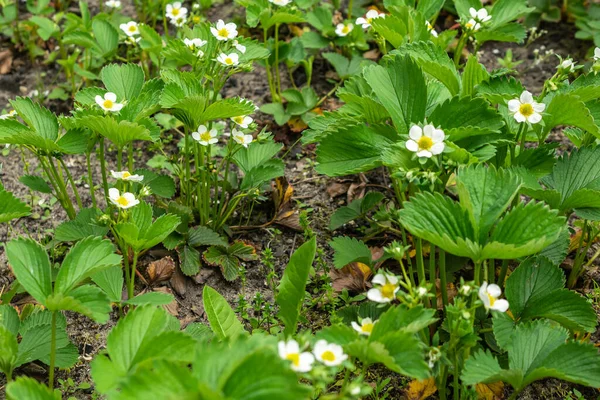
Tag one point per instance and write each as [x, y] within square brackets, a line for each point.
[519, 117]
[513, 105]
[361, 21]
[415, 132]
[281, 348]
[500, 305]
[117, 107]
[483, 295]
[371, 14]
[494, 290]
[534, 118]
[99, 101]
[116, 175]
[292, 347]
[438, 136]
[424, 153]
[113, 193]
[412, 146]
[538, 107]
[356, 327]
[379, 279]
[110, 96]
[392, 279]
[437, 148]
[526, 98]
[375, 295]
[428, 130]
[220, 24]
[473, 12]
[196, 136]
[129, 197]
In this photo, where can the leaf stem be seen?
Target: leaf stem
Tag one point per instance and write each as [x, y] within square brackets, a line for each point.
[503, 271]
[443, 283]
[52, 351]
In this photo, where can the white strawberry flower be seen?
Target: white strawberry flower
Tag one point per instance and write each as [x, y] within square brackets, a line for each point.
[330, 354]
[194, 43]
[597, 54]
[426, 142]
[489, 295]
[204, 136]
[240, 138]
[125, 200]
[386, 289]
[175, 11]
[365, 327]
[280, 3]
[239, 47]
[301, 361]
[243, 121]
[113, 4]
[366, 21]
[109, 102]
[130, 28]
[431, 29]
[480, 15]
[127, 176]
[567, 66]
[223, 31]
[179, 22]
[10, 114]
[525, 109]
[231, 60]
[343, 29]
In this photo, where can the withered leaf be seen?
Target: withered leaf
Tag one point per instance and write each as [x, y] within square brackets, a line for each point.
[420, 390]
[160, 270]
[490, 391]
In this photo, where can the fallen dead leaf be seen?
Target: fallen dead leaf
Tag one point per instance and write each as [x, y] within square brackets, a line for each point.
[6, 59]
[178, 281]
[490, 391]
[286, 215]
[160, 270]
[337, 188]
[353, 277]
[420, 390]
[297, 125]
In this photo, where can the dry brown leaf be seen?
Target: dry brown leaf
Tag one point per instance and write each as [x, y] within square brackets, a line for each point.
[297, 125]
[160, 270]
[337, 188]
[6, 59]
[172, 307]
[286, 214]
[353, 277]
[372, 55]
[356, 191]
[178, 282]
[490, 391]
[420, 390]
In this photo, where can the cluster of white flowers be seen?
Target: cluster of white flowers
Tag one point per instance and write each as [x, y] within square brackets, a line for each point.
[225, 32]
[478, 18]
[176, 13]
[206, 137]
[366, 21]
[329, 354]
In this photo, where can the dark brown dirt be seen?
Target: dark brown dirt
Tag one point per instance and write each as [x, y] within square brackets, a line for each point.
[310, 193]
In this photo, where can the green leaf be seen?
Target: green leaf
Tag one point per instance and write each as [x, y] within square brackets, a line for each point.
[352, 149]
[9, 318]
[344, 67]
[568, 109]
[407, 353]
[204, 236]
[348, 250]
[525, 230]
[46, 27]
[281, 16]
[402, 319]
[228, 258]
[87, 257]
[401, 88]
[41, 120]
[189, 260]
[110, 280]
[85, 224]
[11, 207]
[434, 61]
[356, 209]
[106, 35]
[151, 298]
[31, 266]
[124, 80]
[473, 75]
[486, 193]
[9, 348]
[290, 293]
[248, 158]
[30, 389]
[221, 317]
[88, 300]
[120, 133]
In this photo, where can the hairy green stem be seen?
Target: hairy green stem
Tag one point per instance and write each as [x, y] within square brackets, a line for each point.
[88, 161]
[72, 182]
[103, 167]
[443, 283]
[52, 351]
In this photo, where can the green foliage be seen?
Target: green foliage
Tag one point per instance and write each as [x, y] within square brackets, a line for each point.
[356, 209]
[227, 258]
[11, 207]
[478, 226]
[290, 294]
[221, 317]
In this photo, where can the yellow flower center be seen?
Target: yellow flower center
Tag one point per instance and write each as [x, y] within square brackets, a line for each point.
[205, 136]
[175, 12]
[108, 104]
[223, 32]
[228, 61]
[369, 20]
[491, 299]
[469, 25]
[388, 290]
[238, 120]
[328, 356]
[126, 174]
[294, 358]
[132, 28]
[526, 109]
[425, 143]
[368, 327]
[345, 29]
[196, 19]
[122, 201]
